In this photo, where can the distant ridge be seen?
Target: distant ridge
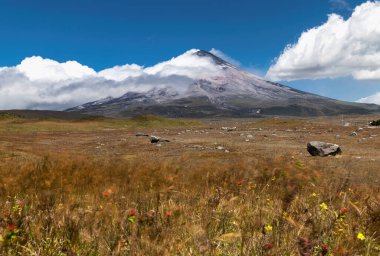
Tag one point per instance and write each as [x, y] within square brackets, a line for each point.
[44, 114]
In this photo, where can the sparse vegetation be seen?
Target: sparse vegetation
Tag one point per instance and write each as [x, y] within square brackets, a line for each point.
[94, 193]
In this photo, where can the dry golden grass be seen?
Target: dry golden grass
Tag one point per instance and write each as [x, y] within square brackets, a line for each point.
[93, 188]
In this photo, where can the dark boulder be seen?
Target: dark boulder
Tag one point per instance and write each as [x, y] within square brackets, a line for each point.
[154, 139]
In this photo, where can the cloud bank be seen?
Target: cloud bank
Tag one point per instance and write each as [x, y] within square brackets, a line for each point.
[337, 48]
[38, 83]
[371, 99]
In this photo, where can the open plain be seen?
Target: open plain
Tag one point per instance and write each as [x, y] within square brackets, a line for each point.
[92, 187]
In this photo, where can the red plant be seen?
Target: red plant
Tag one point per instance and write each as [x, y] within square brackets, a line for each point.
[344, 210]
[11, 227]
[132, 213]
[168, 214]
[268, 246]
[325, 249]
[240, 183]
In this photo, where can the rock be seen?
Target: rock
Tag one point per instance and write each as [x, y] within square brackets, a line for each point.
[141, 134]
[154, 139]
[360, 129]
[250, 136]
[220, 148]
[375, 123]
[354, 134]
[319, 148]
[197, 146]
[229, 129]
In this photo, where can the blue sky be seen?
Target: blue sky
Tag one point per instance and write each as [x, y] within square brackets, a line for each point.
[102, 34]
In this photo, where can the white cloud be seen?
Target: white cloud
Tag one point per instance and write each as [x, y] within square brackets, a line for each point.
[337, 48]
[38, 83]
[187, 64]
[120, 73]
[37, 68]
[371, 99]
[224, 56]
[340, 4]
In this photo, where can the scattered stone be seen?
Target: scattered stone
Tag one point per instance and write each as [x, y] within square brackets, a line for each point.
[154, 139]
[229, 129]
[220, 148]
[354, 134]
[249, 136]
[359, 129]
[319, 148]
[337, 136]
[141, 134]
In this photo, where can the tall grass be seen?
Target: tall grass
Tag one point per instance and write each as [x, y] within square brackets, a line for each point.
[64, 204]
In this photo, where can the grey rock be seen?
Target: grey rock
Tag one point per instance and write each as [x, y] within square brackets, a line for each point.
[319, 148]
[229, 129]
[154, 139]
[141, 134]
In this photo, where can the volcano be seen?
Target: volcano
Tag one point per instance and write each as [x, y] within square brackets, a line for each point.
[222, 90]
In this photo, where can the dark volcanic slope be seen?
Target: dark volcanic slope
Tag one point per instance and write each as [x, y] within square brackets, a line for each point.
[230, 92]
[44, 114]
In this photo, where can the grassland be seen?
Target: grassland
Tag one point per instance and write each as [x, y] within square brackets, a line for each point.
[91, 187]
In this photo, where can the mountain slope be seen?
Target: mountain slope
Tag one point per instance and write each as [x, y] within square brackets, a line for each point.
[225, 91]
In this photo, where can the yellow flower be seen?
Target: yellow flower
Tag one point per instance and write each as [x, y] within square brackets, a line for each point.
[313, 194]
[323, 206]
[1, 239]
[268, 228]
[361, 236]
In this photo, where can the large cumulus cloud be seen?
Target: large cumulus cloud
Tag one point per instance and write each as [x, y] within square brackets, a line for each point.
[337, 48]
[38, 83]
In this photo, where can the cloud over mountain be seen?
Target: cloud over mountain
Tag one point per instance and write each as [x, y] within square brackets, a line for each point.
[371, 99]
[39, 83]
[337, 48]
